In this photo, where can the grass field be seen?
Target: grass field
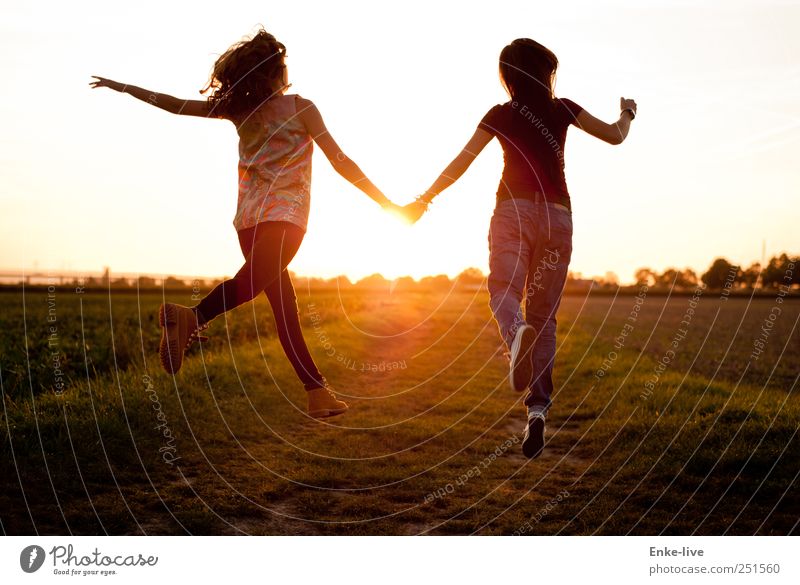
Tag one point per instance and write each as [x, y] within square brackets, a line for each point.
[664, 422]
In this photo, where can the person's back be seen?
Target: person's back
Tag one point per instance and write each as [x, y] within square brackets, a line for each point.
[274, 165]
[276, 135]
[530, 233]
[532, 135]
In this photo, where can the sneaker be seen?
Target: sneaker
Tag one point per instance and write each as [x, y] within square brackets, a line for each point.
[179, 330]
[533, 440]
[521, 371]
[323, 403]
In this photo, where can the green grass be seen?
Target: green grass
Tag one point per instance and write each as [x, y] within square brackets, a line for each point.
[711, 450]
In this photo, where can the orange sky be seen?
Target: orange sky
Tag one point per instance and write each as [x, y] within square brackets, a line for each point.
[94, 178]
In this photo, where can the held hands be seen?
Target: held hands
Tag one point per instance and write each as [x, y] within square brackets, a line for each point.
[414, 210]
[409, 213]
[103, 82]
[392, 208]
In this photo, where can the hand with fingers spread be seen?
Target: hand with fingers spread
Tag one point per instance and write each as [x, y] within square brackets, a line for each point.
[103, 82]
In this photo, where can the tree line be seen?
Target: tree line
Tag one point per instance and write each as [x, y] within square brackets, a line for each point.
[781, 270]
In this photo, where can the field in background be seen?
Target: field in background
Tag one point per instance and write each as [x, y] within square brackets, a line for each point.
[672, 415]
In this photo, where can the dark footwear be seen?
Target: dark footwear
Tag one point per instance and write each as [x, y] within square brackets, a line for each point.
[520, 373]
[323, 403]
[533, 440]
[179, 330]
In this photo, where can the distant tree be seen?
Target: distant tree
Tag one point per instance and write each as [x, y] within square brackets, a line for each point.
[341, 281]
[172, 282]
[404, 283]
[373, 281]
[146, 282]
[645, 276]
[673, 277]
[689, 278]
[720, 272]
[611, 278]
[779, 271]
[470, 277]
[668, 278]
[438, 282]
[749, 278]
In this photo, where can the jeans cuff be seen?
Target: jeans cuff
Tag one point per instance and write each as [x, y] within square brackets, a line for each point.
[537, 409]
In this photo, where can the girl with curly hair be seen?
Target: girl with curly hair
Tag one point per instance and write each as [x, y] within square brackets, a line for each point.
[276, 130]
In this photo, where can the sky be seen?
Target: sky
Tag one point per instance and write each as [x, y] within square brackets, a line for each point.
[93, 178]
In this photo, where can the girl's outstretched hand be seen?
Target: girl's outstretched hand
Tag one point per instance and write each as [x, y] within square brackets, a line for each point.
[103, 82]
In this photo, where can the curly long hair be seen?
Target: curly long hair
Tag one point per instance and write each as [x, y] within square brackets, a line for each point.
[528, 72]
[246, 75]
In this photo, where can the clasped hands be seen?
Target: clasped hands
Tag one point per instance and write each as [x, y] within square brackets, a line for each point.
[409, 213]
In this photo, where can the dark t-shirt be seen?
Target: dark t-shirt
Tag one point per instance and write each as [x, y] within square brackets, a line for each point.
[533, 148]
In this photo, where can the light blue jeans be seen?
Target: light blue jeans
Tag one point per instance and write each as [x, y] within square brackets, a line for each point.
[530, 246]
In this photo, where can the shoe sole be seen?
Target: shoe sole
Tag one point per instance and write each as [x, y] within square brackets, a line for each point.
[167, 316]
[533, 445]
[521, 373]
[327, 413]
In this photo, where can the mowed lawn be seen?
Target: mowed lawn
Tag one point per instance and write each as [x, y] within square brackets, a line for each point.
[706, 442]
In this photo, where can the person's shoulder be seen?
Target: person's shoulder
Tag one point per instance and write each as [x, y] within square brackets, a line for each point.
[497, 110]
[301, 102]
[569, 105]
[304, 109]
[489, 121]
[504, 107]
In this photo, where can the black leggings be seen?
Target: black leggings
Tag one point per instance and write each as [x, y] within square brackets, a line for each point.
[268, 247]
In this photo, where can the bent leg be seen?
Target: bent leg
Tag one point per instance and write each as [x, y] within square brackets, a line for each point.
[268, 249]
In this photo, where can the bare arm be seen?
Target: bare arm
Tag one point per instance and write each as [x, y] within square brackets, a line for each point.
[166, 102]
[457, 167]
[312, 119]
[612, 133]
[459, 164]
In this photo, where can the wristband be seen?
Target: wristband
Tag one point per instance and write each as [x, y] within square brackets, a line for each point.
[633, 114]
[426, 197]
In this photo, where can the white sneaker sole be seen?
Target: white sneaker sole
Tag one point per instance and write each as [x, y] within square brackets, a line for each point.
[533, 443]
[521, 371]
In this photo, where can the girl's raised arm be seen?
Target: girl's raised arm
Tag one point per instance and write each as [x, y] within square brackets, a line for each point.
[166, 102]
[612, 133]
[315, 126]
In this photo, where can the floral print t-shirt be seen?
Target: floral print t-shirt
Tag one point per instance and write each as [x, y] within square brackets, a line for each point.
[274, 165]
